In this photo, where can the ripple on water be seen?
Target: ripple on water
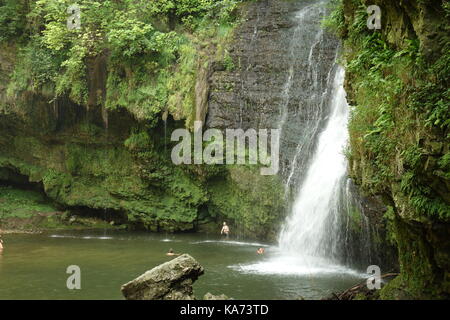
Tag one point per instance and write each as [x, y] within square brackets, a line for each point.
[84, 237]
[231, 242]
[170, 240]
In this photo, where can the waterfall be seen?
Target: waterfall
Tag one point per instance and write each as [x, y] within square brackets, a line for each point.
[313, 120]
[310, 231]
[310, 240]
[310, 57]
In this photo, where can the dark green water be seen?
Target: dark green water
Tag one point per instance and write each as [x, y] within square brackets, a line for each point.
[34, 266]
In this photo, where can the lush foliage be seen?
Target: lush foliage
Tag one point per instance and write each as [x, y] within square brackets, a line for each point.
[12, 19]
[22, 204]
[145, 56]
[398, 86]
[401, 116]
[151, 50]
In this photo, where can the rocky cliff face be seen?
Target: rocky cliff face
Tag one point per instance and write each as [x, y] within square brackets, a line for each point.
[86, 158]
[276, 73]
[281, 67]
[397, 79]
[84, 165]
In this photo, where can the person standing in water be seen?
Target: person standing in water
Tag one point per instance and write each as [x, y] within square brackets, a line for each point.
[225, 230]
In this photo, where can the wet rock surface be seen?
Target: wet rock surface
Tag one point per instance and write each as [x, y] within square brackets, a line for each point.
[169, 281]
[276, 82]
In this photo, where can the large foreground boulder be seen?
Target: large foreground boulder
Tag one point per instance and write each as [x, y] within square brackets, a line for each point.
[169, 281]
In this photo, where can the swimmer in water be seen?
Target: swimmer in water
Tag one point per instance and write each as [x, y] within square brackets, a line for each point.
[260, 251]
[171, 253]
[225, 230]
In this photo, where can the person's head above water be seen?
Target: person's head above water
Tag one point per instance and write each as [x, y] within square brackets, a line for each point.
[170, 250]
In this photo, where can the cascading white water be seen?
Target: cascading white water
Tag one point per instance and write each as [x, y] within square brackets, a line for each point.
[309, 239]
[309, 231]
[303, 105]
[313, 119]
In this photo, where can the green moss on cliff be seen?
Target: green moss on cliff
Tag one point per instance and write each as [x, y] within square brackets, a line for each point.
[397, 82]
[421, 276]
[67, 96]
[253, 202]
[109, 177]
[136, 177]
[16, 203]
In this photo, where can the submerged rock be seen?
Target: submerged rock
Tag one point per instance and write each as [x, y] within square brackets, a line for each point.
[169, 281]
[210, 296]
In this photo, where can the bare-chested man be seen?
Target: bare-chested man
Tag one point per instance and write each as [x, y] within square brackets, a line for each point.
[225, 230]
